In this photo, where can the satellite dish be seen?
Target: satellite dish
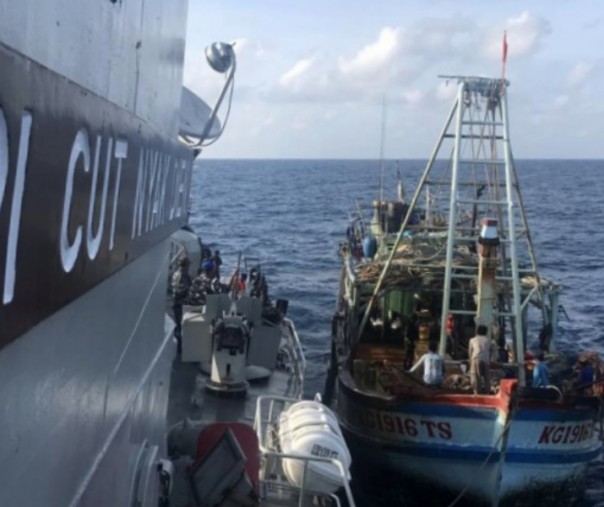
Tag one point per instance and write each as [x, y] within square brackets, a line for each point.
[195, 115]
[198, 122]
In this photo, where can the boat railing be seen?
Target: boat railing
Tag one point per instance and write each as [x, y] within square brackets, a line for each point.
[296, 355]
[176, 251]
[274, 484]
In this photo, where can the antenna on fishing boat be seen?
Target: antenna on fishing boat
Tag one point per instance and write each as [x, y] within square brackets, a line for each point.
[382, 137]
[400, 188]
[382, 141]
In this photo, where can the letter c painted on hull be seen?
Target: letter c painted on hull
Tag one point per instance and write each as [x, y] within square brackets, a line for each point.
[69, 251]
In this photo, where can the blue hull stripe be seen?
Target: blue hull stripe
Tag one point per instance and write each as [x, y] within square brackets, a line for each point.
[551, 457]
[548, 416]
[465, 454]
[456, 411]
[475, 453]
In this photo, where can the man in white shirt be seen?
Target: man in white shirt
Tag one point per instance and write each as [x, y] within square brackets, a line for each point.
[479, 350]
[434, 366]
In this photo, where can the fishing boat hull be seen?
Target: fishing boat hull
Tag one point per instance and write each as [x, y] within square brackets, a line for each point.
[491, 448]
[549, 447]
[423, 435]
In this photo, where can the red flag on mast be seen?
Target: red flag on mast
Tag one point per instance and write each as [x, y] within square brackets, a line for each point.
[505, 47]
[503, 59]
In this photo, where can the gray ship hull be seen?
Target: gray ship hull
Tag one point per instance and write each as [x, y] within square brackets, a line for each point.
[92, 183]
[86, 390]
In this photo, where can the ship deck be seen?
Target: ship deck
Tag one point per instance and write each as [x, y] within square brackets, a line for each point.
[190, 402]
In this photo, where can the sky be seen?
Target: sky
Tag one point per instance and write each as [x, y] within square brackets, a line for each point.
[312, 75]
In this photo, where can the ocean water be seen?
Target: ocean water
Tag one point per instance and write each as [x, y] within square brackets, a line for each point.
[292, 214]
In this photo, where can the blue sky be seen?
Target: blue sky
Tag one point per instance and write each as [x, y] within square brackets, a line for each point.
[312, 74]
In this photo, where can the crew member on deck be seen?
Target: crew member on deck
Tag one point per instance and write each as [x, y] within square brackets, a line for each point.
[540, 371]
[434, 365]
[242, 284]
[411, 337]
[585, 377]
[451, 342]
[209, 268]
[217, 263]
[479, 351]
[181, 282]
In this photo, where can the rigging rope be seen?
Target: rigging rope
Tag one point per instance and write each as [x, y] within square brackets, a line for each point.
[482, 465]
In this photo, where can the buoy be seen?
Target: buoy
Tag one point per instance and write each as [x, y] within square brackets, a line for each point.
[369, 247]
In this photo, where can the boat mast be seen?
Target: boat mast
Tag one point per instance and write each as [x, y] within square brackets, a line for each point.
[451, 233]
[473, 93]
[512, 238]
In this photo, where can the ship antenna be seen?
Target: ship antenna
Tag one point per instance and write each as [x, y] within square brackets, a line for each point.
[382, 136]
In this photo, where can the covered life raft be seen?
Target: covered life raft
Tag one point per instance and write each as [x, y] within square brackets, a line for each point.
[309, 428]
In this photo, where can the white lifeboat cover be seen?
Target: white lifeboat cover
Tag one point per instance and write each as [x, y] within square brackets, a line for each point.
[309, 428]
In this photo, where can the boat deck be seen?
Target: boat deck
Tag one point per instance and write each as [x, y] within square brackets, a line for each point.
[189, 401]
[192, 407]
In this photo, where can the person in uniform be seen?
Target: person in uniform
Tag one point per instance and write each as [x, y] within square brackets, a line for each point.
[181, 282]
[217, 263]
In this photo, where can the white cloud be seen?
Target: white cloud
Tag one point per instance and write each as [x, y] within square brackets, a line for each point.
[374, 57]
[579, 74]
[395, 63]
[245, 49]
[524, 36]
[294, 77]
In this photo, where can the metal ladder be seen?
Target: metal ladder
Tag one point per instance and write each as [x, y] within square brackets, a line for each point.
[487, 136]
[474, 93]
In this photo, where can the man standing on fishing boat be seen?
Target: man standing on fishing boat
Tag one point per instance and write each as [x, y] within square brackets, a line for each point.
[540, 371]
[479, 351]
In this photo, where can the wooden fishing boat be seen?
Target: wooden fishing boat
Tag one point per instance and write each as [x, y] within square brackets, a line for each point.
[437, 271]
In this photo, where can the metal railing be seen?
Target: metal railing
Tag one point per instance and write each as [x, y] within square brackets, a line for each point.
[274, 484]
[293, 347]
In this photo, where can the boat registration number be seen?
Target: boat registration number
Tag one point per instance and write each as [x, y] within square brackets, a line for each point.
[408, 426]
[566, 433]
